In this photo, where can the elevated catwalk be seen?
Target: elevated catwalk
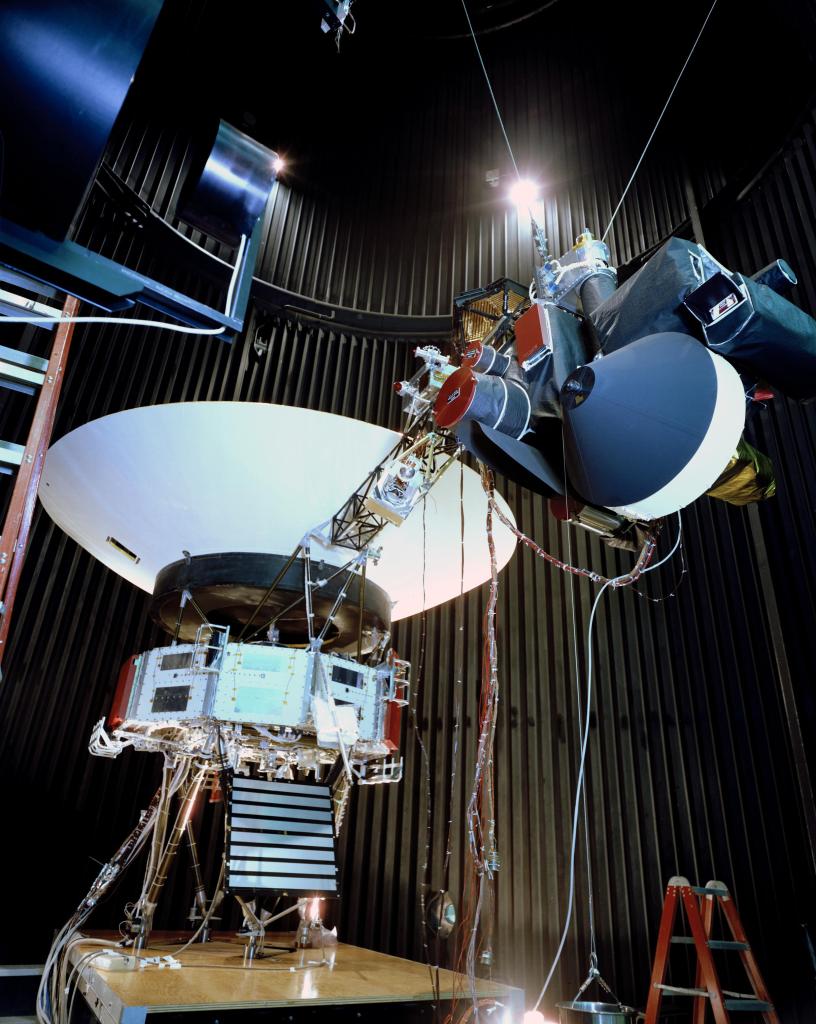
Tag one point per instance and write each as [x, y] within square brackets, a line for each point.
[213, 985]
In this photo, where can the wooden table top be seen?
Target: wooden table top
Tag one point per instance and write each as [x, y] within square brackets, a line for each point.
[214, 976]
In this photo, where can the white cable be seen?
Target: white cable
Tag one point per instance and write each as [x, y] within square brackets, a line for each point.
[178, 328]
[676, 546]
[233, 279]
[584, 742]
[110, 320]
[577, 805]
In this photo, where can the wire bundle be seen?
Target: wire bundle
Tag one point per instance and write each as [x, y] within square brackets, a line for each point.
[477, 922]
[50, 1005]
[53, 1005]
[643, 559]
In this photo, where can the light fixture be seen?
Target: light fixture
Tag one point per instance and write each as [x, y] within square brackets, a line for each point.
[523, 193]
[535, 1017]
[278, 165]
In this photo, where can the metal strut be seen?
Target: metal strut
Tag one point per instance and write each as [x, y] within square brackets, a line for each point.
[162, 870]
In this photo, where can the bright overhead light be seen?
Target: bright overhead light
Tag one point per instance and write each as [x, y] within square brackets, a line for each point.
[278, 165]
[535, 1017]
[523, 193]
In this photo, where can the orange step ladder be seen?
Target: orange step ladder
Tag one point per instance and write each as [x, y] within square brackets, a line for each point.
[698, 903]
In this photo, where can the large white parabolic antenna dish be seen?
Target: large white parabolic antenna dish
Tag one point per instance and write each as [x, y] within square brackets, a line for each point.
[208, 477]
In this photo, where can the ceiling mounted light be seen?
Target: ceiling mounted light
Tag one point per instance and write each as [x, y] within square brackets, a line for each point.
[278, 165]
[523, 193]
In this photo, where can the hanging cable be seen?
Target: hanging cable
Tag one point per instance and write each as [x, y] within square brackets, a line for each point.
[643, 559]
[457, 708]
[657, 123]
[666, 558]
[577, 799]
[683, 569]
[593, 948]
[579, 788]
[426, 764]
[490, 89]
[481, 805]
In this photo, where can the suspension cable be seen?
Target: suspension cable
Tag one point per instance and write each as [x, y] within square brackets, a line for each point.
[490, 90]
[659, 119]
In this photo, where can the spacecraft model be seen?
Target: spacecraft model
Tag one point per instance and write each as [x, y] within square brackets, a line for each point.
[621, 405]
[277, 584]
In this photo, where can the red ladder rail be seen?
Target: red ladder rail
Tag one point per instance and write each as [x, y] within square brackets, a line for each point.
[17, 525]
[707, 989]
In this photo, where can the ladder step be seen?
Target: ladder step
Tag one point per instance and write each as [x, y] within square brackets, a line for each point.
[17, 305]
[747, 1005]
[19, 379]
[675, 991]
[702, 890]
[11, 454]
[687, 940]
[13, 355]
[20, 371]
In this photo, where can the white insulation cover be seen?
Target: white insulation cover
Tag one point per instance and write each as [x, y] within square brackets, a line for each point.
[209, 477]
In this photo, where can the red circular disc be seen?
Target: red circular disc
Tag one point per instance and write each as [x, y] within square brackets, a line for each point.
[473, 353]
[564, 509]
[453, 401]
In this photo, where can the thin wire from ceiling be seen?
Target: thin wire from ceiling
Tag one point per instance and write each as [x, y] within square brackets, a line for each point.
[490, 90]
[651, 135]
[657, 122]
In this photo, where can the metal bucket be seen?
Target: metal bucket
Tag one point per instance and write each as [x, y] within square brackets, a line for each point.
[595, 1013]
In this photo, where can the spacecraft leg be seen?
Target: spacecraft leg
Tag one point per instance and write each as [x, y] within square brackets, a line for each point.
[199, 909]
[257, 932]
[144, 924]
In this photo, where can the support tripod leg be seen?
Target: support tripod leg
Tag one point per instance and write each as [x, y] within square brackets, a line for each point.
[200, 893]
[163, 869]
[257, 932]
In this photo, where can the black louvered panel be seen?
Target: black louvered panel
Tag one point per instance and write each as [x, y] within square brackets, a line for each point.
[280, 838]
